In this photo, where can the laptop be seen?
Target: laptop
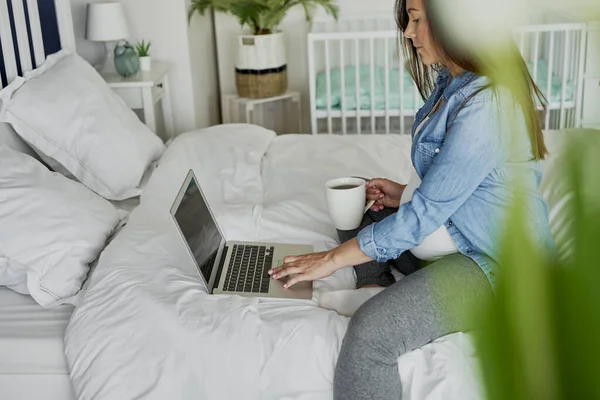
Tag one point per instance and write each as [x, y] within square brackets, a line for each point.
[230, 267]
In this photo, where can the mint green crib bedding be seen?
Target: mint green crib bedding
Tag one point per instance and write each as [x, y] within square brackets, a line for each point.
[556, 84]
[364, 88]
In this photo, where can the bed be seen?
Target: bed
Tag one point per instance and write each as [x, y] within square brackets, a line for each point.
[31, 344]
[359, 85]
[160, 327]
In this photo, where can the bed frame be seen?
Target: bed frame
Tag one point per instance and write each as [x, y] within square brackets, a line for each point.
[31, 30]
[550, 42]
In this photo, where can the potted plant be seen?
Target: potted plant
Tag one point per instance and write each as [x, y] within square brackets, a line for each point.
[261, 66]
[143, 49]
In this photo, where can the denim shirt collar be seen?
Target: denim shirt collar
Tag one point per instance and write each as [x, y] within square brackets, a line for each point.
[445, 87]
[449, 86]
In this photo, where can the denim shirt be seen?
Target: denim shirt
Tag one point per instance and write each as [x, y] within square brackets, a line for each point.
[468, 162]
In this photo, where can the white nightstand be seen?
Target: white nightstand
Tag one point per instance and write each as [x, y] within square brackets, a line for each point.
[283, 113]
[143, 91]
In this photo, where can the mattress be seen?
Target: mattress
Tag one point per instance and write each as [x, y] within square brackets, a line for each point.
[32, 361]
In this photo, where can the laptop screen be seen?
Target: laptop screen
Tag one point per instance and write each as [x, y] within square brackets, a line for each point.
[198, 228]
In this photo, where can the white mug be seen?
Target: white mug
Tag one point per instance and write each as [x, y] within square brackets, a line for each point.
[346, 201]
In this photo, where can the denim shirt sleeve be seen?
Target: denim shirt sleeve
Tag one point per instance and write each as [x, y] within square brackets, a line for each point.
[472, 149]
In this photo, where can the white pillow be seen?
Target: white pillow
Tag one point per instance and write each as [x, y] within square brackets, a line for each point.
[69, 115]
[9, 138]
[51, 229]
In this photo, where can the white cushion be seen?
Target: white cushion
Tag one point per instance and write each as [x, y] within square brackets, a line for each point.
[69, 115]
[51, 229]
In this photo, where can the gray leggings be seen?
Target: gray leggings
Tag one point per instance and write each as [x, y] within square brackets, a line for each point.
[428, 303]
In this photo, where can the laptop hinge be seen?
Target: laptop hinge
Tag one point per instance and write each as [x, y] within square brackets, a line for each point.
[220, 269]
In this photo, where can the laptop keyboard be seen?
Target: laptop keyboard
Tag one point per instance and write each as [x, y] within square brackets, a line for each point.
[248, 269]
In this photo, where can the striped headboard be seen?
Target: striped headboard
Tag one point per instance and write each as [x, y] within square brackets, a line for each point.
[31, 30]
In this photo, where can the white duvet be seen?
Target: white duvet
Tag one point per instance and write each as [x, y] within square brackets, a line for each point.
[146, 328]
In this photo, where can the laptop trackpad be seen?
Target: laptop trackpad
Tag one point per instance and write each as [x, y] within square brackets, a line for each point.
[284, 279]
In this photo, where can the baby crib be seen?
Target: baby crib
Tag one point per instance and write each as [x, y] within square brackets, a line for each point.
[358, 83]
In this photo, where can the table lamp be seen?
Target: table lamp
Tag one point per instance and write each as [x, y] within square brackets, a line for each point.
[106, 23]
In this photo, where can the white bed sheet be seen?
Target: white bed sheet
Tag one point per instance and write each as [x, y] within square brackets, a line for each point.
[146, 327]
[32, 360]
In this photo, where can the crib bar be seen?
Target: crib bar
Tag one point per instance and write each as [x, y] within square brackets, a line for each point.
[387, 85]
[549, 83]
[566, 27]
[536, 56]
[357, 87]
[372, 79]
[328, 86]
[8, 52]
[343, 88]
[570, 69]
[22, 36]
[580, 73]
[36, 32]
[401, 72]
[416, 99]
[564, 78]
[312, 85]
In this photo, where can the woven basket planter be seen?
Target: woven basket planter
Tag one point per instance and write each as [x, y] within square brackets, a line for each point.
[261, 84]
[261, 69]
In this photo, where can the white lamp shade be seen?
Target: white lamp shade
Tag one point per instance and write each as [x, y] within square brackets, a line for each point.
[106, 22]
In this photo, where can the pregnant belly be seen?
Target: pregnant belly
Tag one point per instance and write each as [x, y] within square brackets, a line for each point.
[435, 245]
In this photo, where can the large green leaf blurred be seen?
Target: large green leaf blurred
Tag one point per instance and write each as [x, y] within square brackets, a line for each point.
[542, 338]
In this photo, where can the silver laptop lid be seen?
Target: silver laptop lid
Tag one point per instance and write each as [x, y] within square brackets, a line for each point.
[194, 220]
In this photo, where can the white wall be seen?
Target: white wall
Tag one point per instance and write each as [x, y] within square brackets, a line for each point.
[188, 48]
[203, 59]
[92, 52]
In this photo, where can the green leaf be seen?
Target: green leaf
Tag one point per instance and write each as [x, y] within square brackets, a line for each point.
[541, 337]
[262, 16]
[143, 48]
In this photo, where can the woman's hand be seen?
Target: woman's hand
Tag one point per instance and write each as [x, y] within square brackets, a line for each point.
[309, 267]
[386, 193]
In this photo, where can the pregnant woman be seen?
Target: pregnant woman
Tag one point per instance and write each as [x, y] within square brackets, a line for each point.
[475, 137]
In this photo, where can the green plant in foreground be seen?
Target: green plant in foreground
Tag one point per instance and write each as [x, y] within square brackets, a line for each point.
[542, 339]
[262, 16]
[143, 48]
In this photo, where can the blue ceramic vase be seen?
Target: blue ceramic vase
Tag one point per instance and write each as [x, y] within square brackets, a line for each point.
[127, 62]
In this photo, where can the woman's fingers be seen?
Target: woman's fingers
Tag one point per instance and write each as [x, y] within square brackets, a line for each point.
[376, 182]
[296, 279]
[378, 205]
[376, 196]
[291, 265]
[303, 267]
[286, 270]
